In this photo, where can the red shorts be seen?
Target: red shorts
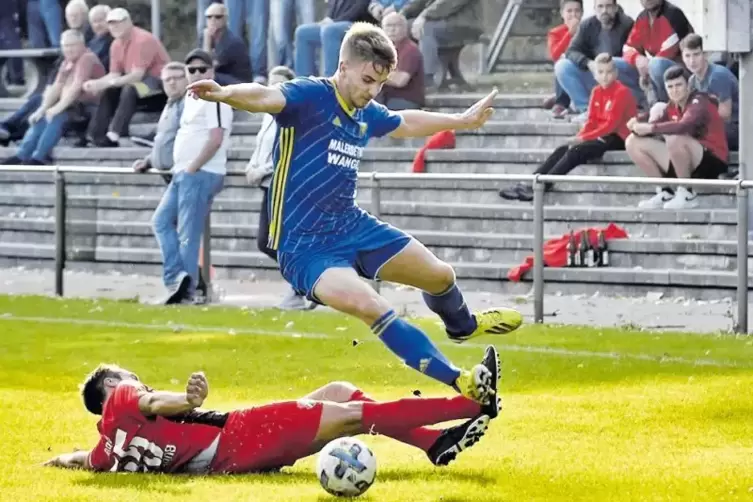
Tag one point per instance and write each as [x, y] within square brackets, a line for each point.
[267, 437]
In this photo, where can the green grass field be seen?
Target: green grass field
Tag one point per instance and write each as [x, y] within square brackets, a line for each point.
[589, 414]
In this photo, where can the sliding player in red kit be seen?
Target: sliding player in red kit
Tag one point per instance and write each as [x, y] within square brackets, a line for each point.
[143, 430]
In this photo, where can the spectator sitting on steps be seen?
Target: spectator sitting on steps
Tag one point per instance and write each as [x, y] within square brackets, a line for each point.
[688, 140]
[102, 40]
[231, 63]
[611, 106]
[604, 32]
[653, 45]
[77, 18]
[404, 89]
[136, 61]
[557, 41]
[62, 99]
[443, 23]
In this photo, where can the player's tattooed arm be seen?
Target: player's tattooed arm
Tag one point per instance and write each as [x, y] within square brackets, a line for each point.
[76, 460]
[420, 123]
[168, 404]
[255, 98]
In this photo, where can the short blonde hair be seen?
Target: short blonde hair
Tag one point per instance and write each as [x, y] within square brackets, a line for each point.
[174, 66]
[369, 43]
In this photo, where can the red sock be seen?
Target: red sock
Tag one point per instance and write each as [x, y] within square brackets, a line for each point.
[420, 437]
[407, 414]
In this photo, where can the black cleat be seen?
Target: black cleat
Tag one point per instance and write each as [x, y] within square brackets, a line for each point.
[456, 439]
[491, 362]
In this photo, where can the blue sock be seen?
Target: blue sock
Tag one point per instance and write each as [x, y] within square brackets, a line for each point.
[414, 347]
[451, 308]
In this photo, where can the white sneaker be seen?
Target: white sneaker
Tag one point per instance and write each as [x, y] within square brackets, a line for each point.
[658, 201]
[294, 301]
[684, 199]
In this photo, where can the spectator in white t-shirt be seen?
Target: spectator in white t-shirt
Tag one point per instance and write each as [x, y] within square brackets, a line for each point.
[199, 167]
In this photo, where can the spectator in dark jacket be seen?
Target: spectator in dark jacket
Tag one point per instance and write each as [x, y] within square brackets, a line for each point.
[10, 38]
[100, 44]
[77, 18]
[604, 32]
[231, 66]
[443, 23]
[327, 34]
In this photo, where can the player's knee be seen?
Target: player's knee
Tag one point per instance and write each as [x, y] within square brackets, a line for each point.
[632, 143]
[442, 277]
[339, 392]
[367, 306]
[675, 144]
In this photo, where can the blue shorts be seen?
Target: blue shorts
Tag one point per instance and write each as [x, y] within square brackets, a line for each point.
[370, 245]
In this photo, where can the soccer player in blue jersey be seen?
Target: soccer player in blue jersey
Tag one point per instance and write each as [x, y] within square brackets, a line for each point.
[324, 241]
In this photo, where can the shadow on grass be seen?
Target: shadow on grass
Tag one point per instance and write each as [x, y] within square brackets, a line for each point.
[180, 483]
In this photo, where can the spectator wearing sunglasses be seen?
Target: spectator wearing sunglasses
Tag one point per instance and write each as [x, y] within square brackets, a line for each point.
[231, 64]
[199, 167]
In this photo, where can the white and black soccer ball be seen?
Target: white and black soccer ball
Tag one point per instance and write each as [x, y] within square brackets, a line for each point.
[346, 467]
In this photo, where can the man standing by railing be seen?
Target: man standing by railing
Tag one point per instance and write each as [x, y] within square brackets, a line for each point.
[199, 167]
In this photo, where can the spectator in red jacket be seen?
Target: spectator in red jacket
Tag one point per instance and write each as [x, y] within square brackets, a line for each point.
[557, 41]
[688, 140]
[654, 42]
[611, 106]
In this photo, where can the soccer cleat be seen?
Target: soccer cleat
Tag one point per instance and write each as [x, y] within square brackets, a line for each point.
[456, 439]
[491, 362]
[476, 385]
[493, 322]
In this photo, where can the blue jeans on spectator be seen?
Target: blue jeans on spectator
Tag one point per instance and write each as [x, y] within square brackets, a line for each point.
[308, 37]
[10, 38]
[656, 68]
[201, 20]
[41, 138]
[283, 18]
[578, 83]
[18, 122]
[44, 19]
[255, 15]
[560, 96]
[179, 221]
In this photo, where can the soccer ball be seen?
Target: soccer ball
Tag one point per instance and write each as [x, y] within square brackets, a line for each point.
[346, 467]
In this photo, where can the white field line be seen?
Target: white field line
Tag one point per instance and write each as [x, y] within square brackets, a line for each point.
[552, 351]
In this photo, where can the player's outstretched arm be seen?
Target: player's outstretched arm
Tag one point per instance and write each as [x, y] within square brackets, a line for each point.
[76, 460]
[420, 123]
[255, 98]
[167, 404]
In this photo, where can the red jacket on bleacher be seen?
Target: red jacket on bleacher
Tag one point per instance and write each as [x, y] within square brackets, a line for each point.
[609, 111]
[659, 37]
[558, 40]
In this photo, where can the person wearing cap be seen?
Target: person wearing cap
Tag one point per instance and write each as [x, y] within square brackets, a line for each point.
[231, 64]
[199, 167]
[136, 61]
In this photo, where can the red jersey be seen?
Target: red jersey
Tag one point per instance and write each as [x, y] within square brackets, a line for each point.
[131, 442]
[609, 110]
[658, 37]
[558, 40]
[700, 119]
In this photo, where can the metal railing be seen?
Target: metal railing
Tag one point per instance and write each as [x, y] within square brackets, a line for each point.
[740, 186]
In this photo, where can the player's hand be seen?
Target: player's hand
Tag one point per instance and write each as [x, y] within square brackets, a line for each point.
[477, 115]
[197, 389]
[641, 64]
[208, 90]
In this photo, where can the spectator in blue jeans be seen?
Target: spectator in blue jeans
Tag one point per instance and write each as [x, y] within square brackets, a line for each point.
[44, 20]
[10, 38]
[199, 167]
[62, 99]
[283, 16]
[327, 34]
[254, 14]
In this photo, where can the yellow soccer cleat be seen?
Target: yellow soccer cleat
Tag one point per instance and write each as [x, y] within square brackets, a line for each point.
[477, 385]
[492, 322]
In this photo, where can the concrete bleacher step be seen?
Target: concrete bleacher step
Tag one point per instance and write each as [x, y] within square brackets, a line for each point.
[487, 276]
[458, 247]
